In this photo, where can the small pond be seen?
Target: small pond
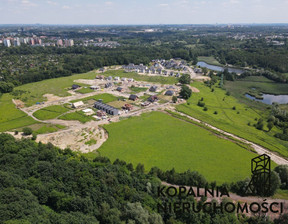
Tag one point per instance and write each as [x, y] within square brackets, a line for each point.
[219, 68]
[269, 98]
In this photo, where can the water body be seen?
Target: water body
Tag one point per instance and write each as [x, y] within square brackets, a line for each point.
[269, 99]
[219, 68]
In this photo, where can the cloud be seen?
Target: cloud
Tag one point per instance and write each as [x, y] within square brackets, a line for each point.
[27, 3]
[234, 2]
[108, 3]
[52, 3]
[66, 7]
[163, 5]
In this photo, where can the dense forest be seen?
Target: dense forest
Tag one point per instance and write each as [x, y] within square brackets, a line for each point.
[43, 184]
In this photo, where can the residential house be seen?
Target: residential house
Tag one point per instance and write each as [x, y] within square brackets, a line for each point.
[108, 85]
[152, 99]
[77, 104]
[119, 89]
[74, 86]
[106, 108]
[169, 93]
[153, 88]
[127, 107]
[133, 97]
[94, 87]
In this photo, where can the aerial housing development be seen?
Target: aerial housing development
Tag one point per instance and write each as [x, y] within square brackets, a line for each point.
[147, 124]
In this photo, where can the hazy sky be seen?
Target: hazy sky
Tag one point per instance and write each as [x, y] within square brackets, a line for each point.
[143, 11]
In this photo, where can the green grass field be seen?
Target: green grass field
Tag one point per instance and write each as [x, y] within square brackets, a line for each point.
[10, 116]
[106, 97]
[137, 89]
[50, 112]
[209, 60]
[157, 139]
[85, 90]
[234, 121]
[78, 115]
[33, 92]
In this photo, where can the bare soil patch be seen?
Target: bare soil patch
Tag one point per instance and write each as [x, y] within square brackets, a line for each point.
[83, 139]
[52, 97]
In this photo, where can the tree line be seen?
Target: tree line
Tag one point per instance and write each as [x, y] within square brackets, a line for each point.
[41, 183]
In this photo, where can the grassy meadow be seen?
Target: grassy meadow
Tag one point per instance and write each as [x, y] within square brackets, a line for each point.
[50, 112]
[78, 116]
[234, 121]
[105, 97]
[10, 116]
[144, 140]
[33, 92]
[209, 60]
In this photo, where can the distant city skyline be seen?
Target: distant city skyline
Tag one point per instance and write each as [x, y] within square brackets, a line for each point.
[101, 12]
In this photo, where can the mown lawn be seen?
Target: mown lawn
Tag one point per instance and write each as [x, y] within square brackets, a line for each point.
[50, 112]
[234, 121]
[78, 115]
[157, 139]
[137, 89]
[105, 97]
[85, 90]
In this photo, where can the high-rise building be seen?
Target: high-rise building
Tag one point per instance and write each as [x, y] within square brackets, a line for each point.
[32, 41]
[59, 43]
[7, 43]
[68, 43]
[71, 43]
[17, 42]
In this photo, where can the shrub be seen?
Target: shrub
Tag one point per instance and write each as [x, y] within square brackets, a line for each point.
[215, 112]
[234, 108]
[16, 133]
[205, 109]
[228, 93]
[27, 131]
[34, 136]
[201, 104]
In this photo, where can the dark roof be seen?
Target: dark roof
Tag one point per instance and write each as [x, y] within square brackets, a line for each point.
[169, 93]
[133, 97]
[153, 98]
[108, 85]
[119, 88]
[153, 88]
[74, 86]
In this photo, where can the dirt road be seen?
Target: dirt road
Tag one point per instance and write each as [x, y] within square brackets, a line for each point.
[259, 149]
